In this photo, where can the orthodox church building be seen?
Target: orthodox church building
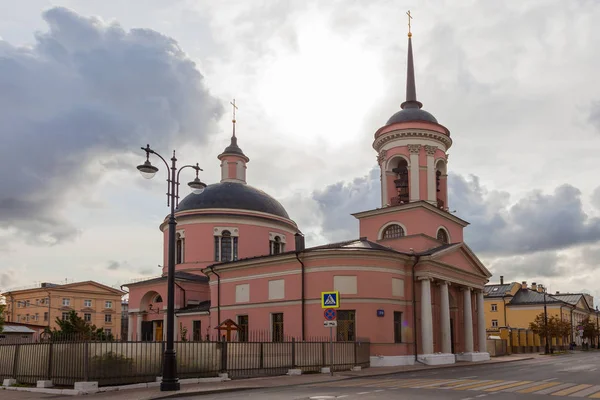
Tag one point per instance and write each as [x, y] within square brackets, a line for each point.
[408, 283]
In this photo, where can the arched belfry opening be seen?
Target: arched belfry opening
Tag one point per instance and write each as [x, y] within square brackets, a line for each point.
[401, 183]
[441, 184]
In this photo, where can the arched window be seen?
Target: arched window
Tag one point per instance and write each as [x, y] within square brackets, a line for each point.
[179, 249]
[276, 245]
[401, 183]
[442, 235]
[226, 247]
[158, 299]
[393, 231]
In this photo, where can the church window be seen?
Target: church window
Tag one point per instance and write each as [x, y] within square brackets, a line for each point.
[401, 183]
[179, 249]
[393, 231]
[226, 247]
[442, 235]
[277, 246]
[158, 299]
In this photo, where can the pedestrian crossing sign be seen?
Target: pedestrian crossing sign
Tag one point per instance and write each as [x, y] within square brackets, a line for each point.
[330, 300]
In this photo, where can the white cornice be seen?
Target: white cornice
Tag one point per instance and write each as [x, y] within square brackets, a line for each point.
[233, 216]
[415, 133]
[410, 206]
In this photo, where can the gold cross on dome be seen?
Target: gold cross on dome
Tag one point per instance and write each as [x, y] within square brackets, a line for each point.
[409, 18]
[234, 108]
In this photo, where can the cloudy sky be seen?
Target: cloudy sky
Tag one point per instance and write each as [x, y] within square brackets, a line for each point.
[84, 84]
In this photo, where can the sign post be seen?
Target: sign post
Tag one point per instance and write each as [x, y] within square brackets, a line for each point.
[330, 301]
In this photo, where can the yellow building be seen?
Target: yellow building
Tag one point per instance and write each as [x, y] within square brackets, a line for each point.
[97, 304]
[515, 305]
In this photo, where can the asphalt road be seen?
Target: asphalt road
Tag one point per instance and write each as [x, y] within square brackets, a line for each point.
[573, 375]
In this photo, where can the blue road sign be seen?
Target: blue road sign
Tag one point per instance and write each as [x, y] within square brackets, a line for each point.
[330, 314]
[330, 299]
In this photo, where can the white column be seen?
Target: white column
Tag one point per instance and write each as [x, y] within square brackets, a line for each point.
[130, 327]
[426, 317]
[481, 335]
[414, 150]
[431, 178]
[445, 318]
[139, 318]
[468, 320]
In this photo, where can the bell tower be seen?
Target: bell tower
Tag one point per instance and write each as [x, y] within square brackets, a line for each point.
[233, 160]
[412, 151]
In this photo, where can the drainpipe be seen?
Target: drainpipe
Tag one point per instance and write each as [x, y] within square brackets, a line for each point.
[572, 338]
[504, 301]
[414, 295]
[212, 269]
[299, 242]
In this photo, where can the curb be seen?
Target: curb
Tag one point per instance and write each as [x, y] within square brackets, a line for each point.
[203, 392]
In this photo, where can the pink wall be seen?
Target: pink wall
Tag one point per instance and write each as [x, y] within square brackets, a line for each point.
[417, 242]
[417, 220]
[411, 125]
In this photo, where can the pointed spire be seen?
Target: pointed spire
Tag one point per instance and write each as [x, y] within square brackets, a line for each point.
[233, 147]
[411, 89]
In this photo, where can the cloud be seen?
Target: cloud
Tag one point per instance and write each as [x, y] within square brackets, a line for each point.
[114, 265]
[596, 198]
[594, 117]
[548, 264]
[7, 279]
[84, 91]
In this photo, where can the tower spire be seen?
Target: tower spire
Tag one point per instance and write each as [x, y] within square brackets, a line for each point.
[233, 120]
[411, 89]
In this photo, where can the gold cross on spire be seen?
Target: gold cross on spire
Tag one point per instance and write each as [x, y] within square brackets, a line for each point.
[233, 120]
[409, 18]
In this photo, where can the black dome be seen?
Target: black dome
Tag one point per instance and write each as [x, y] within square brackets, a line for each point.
[411, 114]
[235, 196]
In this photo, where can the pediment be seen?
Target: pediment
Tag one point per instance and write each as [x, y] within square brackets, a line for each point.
[461, 257]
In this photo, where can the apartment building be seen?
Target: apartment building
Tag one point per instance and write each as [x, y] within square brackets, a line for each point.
[97, 304]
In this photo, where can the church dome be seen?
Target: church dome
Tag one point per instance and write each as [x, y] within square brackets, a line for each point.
[233, 195]
[411, 114]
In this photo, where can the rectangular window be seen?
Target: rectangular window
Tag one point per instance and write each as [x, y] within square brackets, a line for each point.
[19, 303]
[66, 302]
[242, 321]
[87, 303]
[179, 252]
[494, 323]
[346, 329]
[87, 317]
[397, 327]
[18, 317]
[196, 331]
[108, 304]
[65, 316]
[27, 318]
[107, 318]
[37, 316]
[277, 327]
[37, 302]
[46, 316]
[494, 307]
[217, 241]
[235, 248]
[27, 303]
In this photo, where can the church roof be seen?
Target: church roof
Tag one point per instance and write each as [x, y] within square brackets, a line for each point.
[233, 195]
[202, 307]
[179, 275]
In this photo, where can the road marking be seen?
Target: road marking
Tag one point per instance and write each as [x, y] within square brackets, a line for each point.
[515, 388]
[585, 392]
[548, 380]
[555, 388]
[508, 385]
[468, 377]
[538, 387]
[476, 385]
[592, 370]
[571, 390]
[380, 390]
[481, 395]
[363, 392]
[492, 385]
[342, 396]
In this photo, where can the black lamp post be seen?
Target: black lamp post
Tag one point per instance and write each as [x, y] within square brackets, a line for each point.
[170, 381]
[547, 347]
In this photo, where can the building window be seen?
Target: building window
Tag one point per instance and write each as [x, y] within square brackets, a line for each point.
[242, 321]
[66, 302]
[65, 316]
[19, 304]
[27, 303]
[393, 231]
[277, 246]
[494, 323]
[37, 302]
[158, 299]
[442, 235]
[196, 331]
[346, 329]
[277, 327]
[108, 331]
[87, 317]
[401, 183]
[46, 316]
[37, 316]
[107, 317]
[397, 327]
[180, 249]
[494, 307]
[108, 304]
[87, 303]
[27, 318]
[226, 247]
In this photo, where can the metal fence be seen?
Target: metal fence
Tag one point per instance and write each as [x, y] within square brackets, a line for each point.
[125, 362]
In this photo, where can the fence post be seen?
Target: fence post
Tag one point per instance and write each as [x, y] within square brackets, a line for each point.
[262, 356]
[86, 362]
[50, 351]
[293, 353]
[355, 351]
[223, 355]
[16, 361]
[324, 360]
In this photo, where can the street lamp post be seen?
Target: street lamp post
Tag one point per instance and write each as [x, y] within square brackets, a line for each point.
[547, 347]
[170, 382]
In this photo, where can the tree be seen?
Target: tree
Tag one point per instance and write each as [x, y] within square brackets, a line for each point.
[557, 328]
[2, 308]
[76, 328]
[590, 329]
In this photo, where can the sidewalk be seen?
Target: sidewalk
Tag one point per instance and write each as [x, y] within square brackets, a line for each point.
[279, 381]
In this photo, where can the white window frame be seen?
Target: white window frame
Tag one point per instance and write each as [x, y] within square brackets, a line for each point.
[180, 236]
[85, 315]
[108, 304]
[108, 318]
[218, 232]
[494, 323]
[66, 302]
[494, 307]
[64, 316]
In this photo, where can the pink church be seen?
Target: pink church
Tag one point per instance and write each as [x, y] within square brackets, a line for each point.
[409, 284]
